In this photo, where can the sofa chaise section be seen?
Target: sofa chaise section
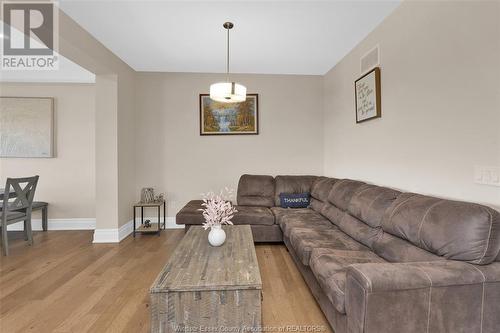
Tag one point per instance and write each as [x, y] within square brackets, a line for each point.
[261, 219]
[255, 196]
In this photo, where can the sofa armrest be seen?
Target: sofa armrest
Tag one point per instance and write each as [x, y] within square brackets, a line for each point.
[434, 296]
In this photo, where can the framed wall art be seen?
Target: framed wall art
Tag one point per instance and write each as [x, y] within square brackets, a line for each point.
[367, 96]
[26, 127]
[218, 118]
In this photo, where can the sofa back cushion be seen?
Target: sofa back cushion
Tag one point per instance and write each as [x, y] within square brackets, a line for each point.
[292, 184]
[256, 190]
[332, 213]
[322, 187]
[338, 199]
[319, 192]
[370, 203]
[365, 210]
[316, 205]
[452, 229]
[342, 191]
[358, 230]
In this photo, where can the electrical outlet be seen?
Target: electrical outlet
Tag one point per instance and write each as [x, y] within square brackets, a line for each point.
[487, 175]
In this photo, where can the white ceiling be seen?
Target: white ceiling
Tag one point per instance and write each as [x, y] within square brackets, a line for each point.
[67, 72]
[272, 37]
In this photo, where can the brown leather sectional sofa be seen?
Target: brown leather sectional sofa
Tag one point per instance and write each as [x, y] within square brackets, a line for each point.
[380, 260]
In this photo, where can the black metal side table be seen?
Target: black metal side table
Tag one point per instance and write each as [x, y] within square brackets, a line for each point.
[151, 228]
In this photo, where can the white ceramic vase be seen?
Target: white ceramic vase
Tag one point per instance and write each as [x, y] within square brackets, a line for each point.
[216, 236]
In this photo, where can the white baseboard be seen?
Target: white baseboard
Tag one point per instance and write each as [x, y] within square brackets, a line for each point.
[116, 235]
[57, 224]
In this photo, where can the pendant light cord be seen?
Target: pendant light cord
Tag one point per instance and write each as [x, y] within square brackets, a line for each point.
[227, 56]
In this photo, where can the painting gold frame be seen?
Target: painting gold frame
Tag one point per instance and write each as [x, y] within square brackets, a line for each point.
[250, 119]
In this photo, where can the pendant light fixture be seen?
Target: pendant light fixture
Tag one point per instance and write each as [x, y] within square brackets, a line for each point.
[228, 92]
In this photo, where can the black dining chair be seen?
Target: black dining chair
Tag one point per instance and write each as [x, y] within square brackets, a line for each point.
[18, 208]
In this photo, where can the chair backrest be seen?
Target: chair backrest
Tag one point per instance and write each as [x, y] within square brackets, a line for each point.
[24, 189]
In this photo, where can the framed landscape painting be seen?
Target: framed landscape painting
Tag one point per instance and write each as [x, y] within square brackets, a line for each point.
[367, 91]
[218, 118]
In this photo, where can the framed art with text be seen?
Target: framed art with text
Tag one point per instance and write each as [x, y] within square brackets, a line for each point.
[367, 96]
[217, 118]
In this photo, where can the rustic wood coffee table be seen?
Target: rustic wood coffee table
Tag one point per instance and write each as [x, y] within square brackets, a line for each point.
[209, 289]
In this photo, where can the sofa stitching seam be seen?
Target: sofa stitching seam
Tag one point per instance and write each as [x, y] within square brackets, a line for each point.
[366, 308]
[419, 238]
[397, 207]
[355, 195]
[367, 279]
[489, 236]
[482, 296]
[365, 297]
[430, 297]
[363, 190]
[373, 201]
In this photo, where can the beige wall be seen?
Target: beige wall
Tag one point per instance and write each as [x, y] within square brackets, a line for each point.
[107, 212]
[440, 102]
[115, 161]
[174, 158]
[67, 181]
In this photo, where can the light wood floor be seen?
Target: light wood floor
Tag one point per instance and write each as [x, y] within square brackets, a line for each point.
[64, 283]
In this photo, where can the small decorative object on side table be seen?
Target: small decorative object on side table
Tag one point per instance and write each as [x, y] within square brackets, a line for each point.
[147, 226]
[147, 195]
[218, 210]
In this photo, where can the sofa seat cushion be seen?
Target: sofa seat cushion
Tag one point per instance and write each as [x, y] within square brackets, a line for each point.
[281, 213]
[190, 214]
[304, 240]
[302, 218]
[329, 267]
[291, 223]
